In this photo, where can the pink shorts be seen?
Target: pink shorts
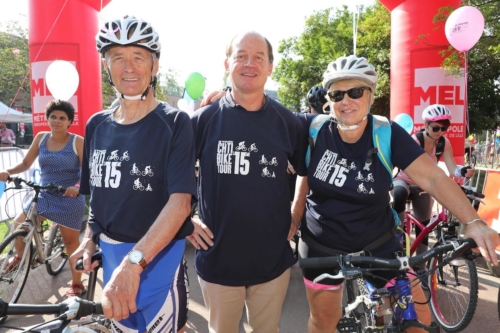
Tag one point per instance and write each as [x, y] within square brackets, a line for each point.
[318, 286]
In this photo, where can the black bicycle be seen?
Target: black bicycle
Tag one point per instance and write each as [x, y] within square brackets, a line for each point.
[366, 305]
[74, 315]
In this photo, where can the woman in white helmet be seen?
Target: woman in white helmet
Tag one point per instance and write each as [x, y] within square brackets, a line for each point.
[343, 203]
[437, 119]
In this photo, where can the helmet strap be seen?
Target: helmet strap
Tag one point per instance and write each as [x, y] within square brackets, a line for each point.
[345, 128]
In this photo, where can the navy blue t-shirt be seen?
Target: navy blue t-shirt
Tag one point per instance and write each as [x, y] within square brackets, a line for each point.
[131, 170]
[348, 207]
[243, 189]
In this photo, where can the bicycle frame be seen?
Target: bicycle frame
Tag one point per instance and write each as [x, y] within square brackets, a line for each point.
[426, 229]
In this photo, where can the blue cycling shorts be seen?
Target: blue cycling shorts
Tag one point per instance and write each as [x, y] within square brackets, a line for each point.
[162, 298]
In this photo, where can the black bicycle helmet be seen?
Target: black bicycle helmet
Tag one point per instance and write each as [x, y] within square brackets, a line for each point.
[317, 98]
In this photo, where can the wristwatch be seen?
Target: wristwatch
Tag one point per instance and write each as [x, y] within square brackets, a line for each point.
[137, 258]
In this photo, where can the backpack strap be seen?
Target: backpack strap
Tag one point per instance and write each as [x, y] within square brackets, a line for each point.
[420, 137]
[439, 145]
[316, 125]
[382, 132]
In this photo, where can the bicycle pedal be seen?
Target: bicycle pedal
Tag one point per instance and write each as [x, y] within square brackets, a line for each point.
[348, 325]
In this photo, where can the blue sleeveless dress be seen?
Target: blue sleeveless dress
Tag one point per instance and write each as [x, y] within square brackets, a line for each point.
[61, 168]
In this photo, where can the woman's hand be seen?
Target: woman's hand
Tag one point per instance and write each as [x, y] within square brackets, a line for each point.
[4, 176]
[470, 173]
[72, 191]
[294, 226]
[487, 240]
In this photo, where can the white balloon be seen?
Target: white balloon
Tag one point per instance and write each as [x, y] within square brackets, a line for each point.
[62, 79]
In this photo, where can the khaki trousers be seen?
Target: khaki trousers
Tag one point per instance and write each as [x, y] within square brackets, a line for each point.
[263, 305]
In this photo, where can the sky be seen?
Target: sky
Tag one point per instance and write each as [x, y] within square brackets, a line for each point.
[194, 33]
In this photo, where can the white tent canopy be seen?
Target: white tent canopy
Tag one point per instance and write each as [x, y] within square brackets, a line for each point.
[13, 116]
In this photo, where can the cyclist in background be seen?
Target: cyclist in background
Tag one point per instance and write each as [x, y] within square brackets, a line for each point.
[317, 100]
[144, 270]
[340, 219]
[59, 154]
[437, 120]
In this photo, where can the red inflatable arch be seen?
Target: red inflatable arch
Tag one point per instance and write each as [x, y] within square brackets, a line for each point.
[65, 30]
[416, 77]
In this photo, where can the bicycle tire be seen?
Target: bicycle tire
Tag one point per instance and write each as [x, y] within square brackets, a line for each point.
[362, 315]
[13, 281]
[453, 304]
[55, 252]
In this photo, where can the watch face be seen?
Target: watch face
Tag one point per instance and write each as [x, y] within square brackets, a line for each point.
[135, 256]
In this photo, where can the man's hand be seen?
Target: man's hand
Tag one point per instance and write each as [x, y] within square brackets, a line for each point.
[84, 251]
[202, 236]
[119, 295]
[214, 96]
[486, 239]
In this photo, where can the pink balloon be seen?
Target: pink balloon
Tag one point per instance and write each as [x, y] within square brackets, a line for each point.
[464, 27]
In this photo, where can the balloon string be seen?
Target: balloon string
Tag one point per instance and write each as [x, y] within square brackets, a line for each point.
[36, 57]
[466, 109]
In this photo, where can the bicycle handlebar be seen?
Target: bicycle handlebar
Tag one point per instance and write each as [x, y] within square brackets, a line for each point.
[459, 247]
[468, 192]
[50, 187]
[73, 307]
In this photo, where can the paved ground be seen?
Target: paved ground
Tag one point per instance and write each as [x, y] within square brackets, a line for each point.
[42, 288]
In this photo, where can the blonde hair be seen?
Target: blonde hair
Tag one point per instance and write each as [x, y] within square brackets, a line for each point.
[355, 82]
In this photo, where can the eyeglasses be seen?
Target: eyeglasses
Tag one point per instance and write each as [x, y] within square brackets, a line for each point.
[354, 93]
[436, 129]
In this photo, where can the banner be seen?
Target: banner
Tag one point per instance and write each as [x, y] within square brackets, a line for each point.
[491, 210]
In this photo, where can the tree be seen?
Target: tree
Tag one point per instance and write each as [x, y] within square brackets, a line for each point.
[14, 69]
[328, 35]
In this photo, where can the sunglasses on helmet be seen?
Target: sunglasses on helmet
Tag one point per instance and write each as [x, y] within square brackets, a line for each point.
[353, 93]
[436, 129]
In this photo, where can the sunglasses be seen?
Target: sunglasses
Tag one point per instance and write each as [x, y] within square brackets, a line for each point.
[353, 93]
[436, 129]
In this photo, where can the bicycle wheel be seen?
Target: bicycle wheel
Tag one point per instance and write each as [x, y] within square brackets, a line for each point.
[453, 290]
[55, 252]
[12, 281]
[362, 318]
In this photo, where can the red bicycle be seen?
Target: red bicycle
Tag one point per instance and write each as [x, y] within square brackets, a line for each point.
[453, 286]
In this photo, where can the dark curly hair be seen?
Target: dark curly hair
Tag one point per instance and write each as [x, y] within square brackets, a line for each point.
[60, 105]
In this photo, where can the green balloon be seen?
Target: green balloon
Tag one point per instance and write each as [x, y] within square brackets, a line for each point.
[195, 85]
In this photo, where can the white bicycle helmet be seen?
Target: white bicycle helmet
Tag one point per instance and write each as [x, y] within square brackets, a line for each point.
[350, 67]
[436, 112]
[128, 31]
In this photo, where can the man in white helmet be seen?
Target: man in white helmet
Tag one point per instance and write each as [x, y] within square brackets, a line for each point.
[135, 216]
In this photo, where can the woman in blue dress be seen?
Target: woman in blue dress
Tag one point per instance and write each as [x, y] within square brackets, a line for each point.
[59, 154]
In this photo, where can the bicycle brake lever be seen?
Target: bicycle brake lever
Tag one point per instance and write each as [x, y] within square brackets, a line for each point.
[328, 276]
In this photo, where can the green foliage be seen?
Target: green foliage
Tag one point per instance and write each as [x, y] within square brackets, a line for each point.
[14, 68]
[14, 71]
[328, 35]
